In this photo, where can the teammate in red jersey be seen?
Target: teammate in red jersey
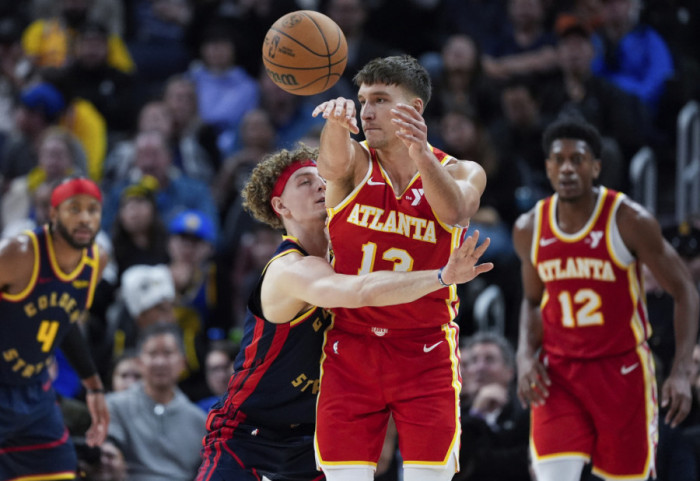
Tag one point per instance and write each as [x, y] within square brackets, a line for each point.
[583, 360]
[395, 203]
[263, 426]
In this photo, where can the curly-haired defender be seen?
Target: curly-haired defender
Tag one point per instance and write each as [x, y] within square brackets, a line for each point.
[257, 193]
[264, 424]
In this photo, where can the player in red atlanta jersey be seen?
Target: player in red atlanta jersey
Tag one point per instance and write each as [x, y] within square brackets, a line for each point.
[395, 203]
[583, 360]
[263, 426]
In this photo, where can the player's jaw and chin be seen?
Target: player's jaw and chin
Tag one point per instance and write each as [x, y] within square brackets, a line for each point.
[76, 239]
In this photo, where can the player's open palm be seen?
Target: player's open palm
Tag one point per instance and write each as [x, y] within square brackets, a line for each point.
[340, 111]
[97, 432]
[462, 266]
[412, 129]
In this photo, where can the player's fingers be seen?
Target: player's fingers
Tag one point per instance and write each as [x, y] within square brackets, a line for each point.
[319, 108]
[542, 374]
[482, 268]
[680, 406]
[479, 251]
[353, 126]
[349, 108]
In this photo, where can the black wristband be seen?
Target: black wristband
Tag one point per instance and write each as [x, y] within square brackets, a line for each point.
[440, 278]
[95, 391]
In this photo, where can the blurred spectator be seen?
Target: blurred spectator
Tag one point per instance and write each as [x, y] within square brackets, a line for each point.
[159, 429]
[126, 371]
[175, 191]
[416, 29]
[246, 20]
[483, 20]
[38, 107]
[60, 155]
[138, 234]
[109, 89]
[519, 134]
[81, 118]
[461, 83]
[528, 49]
[103, 463]
[218, 368]
[13, 68]
[495, 427]
[257, 138]
[632, 55]
[190, 133]
[614, 112]
[257, 246]
[224, 89]
[351, 16]
[50, 42]
[191, 247]
[155, 34]
[146, 297]
[290, 114]
[186, 155]
[106, 12]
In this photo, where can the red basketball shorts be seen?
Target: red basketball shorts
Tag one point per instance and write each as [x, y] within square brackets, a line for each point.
[602, 410]
[368, 374]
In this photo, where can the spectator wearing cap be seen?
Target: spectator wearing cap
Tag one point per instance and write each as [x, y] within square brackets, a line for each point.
[50, 42]
[190, 247]
[146, 297]
[109, 89]
[224, 89]
[39, 106]
[615, 113]
[175, 192]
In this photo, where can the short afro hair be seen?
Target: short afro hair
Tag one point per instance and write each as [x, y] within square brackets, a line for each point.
[572, 127]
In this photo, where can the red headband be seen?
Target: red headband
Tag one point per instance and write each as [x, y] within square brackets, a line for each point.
[72, 187]
[287, 173]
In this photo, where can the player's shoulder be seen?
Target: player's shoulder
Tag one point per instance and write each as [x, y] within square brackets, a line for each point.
[632, 214]
[17, 247]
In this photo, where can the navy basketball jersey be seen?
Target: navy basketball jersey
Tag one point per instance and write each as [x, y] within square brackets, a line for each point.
[35, 321]
[276, 372]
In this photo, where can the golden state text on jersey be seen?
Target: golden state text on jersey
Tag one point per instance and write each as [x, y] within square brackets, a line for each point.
[35, 321]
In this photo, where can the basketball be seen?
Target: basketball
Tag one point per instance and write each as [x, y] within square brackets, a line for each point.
[304, 52]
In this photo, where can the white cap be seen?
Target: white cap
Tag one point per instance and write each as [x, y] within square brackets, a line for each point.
[145, 286]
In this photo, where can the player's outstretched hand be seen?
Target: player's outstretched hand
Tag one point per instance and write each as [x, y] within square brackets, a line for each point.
[340, 111]
[675, 395]
[412, 128]
[97, 406]
[533, 381]
[462, 266]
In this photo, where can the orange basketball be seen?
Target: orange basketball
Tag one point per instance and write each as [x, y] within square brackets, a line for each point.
[304, 52]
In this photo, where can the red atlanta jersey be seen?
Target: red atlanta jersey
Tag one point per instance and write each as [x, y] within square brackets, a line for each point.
[593, 304]
[374, 228]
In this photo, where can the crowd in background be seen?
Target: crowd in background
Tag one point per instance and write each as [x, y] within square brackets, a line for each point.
[165, 105]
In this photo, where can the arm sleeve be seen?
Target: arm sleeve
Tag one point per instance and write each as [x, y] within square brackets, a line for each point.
[75, 348]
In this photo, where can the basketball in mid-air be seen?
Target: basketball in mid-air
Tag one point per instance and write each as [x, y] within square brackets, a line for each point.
[304, 52]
